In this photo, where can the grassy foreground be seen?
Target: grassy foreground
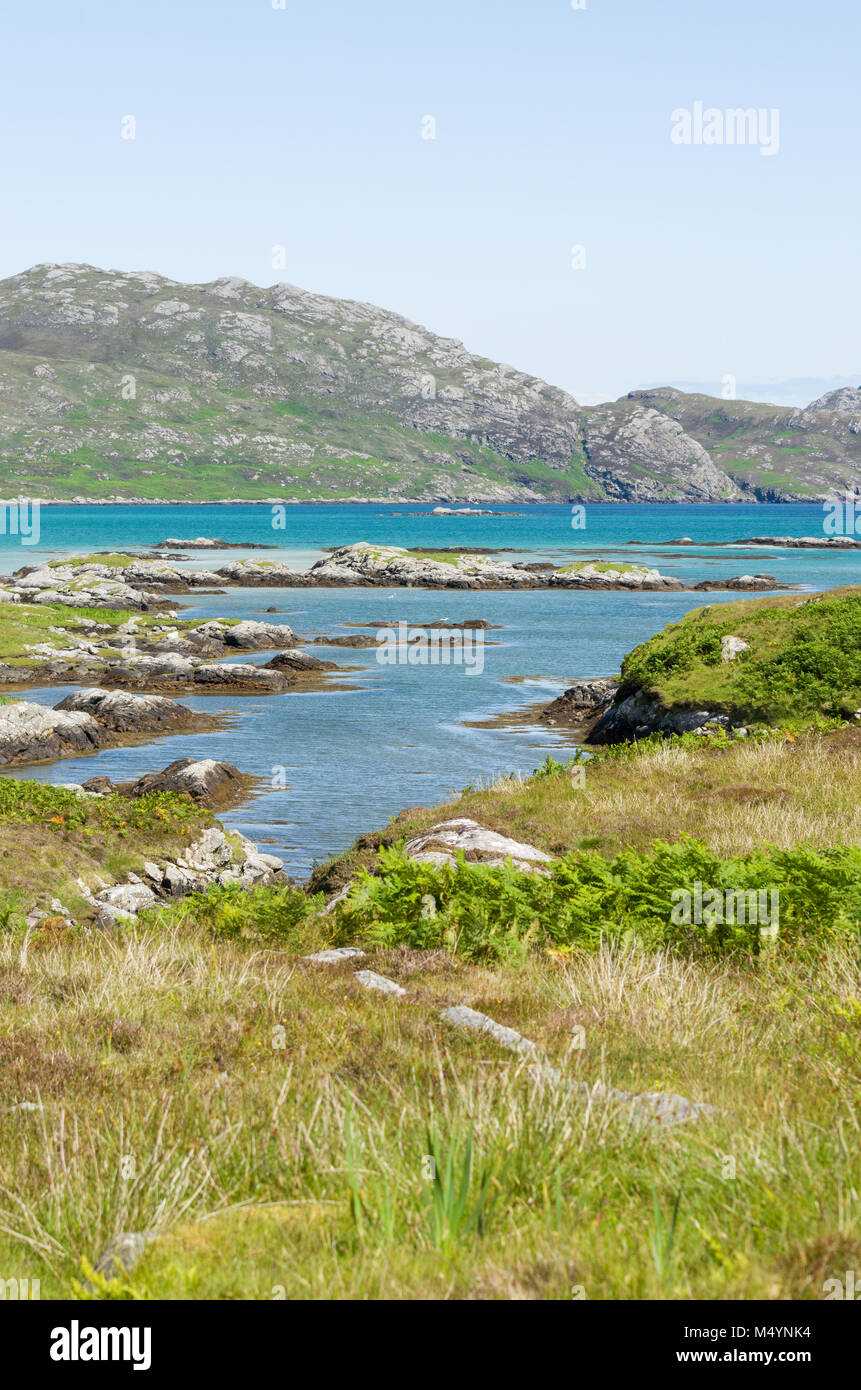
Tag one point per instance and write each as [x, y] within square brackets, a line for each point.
[275, 1125]
[169, 1098]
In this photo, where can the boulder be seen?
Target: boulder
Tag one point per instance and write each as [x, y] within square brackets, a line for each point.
[300, 661]
[122, 712]
[731, 646]
[206, 781]
[470, 1020]
[582, 703]
[442, 842]
[31, 733]
[380, 984]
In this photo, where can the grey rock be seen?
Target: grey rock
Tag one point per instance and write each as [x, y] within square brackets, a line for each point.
[442, 842]
[127, 898]
[176, 881]
[380, 983]
[639, 715]
[300, 661]
[334, 954]
[206, 781]
[731, 646]
[31, 733]
[472, 1021]
[123, 712]
[582, 703]
[122, 1253]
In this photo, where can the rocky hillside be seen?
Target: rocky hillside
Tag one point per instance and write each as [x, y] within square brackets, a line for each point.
[129, 385]
[766, 453]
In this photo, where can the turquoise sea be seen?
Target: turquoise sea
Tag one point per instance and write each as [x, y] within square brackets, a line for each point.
[351, 758]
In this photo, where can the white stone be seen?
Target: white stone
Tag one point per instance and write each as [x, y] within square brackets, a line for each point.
[731, 646]
[371, 980]
[336, 953]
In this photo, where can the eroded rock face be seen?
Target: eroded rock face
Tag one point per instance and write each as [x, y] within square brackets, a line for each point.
[639, 715]
[31, 733]
[582, 703]
[640, 454]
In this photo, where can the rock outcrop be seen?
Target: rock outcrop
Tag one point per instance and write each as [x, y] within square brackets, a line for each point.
[120, 712]
[582, 704]
[638, 715]
[86, 721]
[206, 781]
[214, 858]
[391, 566]
[444, 841]
[157, 657]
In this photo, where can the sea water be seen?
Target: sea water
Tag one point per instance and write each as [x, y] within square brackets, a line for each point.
[336, 762]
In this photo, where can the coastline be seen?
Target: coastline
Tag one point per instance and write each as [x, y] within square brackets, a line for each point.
[402, 502]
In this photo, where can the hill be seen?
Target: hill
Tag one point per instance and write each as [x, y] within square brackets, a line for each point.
[128, 385]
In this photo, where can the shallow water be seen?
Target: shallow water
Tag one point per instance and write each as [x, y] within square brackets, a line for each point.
[353, 758]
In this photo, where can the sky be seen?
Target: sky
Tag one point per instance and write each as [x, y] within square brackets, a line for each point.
[503, 173]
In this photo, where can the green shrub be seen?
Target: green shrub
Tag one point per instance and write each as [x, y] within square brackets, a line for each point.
[269, 916]
[483, 912]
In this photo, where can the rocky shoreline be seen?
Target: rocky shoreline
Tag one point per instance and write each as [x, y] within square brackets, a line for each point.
[593, 708]
[142, 585]
[88, 721]
[785, 542]
[164, 658]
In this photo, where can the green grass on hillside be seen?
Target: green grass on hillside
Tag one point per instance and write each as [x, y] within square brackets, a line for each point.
[28, 624]
[113, 560]
[621, 567]
[804, 659]
[49, 837]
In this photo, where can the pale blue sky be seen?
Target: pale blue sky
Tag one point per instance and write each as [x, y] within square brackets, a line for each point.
[302, 126]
